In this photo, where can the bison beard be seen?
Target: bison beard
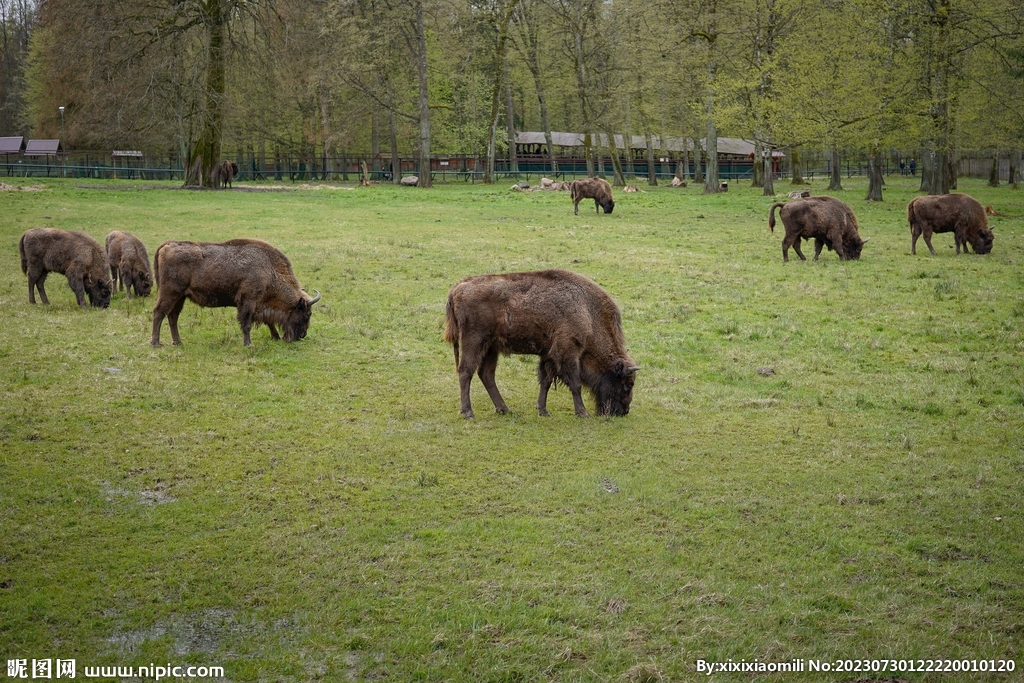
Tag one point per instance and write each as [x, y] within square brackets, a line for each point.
[75, 254]
[959, 214]
[250, 275]
[129, 263]
[826, 220]
[565, 318]
[592, 188]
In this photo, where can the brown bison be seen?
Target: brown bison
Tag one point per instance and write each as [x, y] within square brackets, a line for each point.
[566, 319]
[827, 220]
[250, 275]
[597, 189]
[222, 174]
[129, 264]
[75, 254]
[959, 214]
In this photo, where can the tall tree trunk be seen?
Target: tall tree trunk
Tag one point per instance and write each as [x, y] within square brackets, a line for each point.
[510, 124]
[374, 139]
[396, 161]
[927, 163]
[769, 180]
[684, 172]
[652, 175]
[699, 156]
[205, 154]
[835, 178]
[421, 72]
[1015, 169]
[619, 179]
[993, 175]
[875, 162]
[757, 167]
[794, 162]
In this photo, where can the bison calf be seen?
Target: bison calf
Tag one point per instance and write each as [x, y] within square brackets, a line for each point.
[222, 174]
[565, 318]
[250, 275]
[597, 189]
[826, 220]
[129, 263]
[960, 214]
[75, 254]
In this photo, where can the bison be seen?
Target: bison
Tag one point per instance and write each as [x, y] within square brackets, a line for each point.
[222, 174]
[959, 214]
[129, 263]
[75, 254]
[250, 275]
[827, 220]
[565, 318]
[597, 189]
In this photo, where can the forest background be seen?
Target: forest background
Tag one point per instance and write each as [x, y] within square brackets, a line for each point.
[317, 79]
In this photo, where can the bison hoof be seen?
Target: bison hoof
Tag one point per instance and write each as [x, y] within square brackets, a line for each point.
[502, 410]
[156, 344]
[468, 414]
[543, 413]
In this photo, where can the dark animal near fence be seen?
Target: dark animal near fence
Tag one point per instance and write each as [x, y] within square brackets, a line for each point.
[129, 264]
[565, 318]
[959, 214]
[250, 275]
[826, 220]
[591, 188]
[75, 254]
[222, 174]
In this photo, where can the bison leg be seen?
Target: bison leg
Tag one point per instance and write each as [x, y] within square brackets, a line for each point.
[915, 232]
[791, 241]
[273, 332]
[818, 244]
[597, 206]
[928, 240]
[486, 372]
[544, 378]
[78, 287]
[35, 281]
[117, 282]
[576, 207]
[468, 364]
[172, 320]
[571, 375]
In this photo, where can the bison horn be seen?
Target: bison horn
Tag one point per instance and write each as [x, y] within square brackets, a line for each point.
[316, 298]
[866, 240]
[632, 368]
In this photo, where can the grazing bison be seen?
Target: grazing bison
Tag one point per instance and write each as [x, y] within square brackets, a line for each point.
[250, 275]
[566, 319]
[129, 264]
[597, 189]
[827, 220]
[75, 254]
[959, 214]
[222, 174]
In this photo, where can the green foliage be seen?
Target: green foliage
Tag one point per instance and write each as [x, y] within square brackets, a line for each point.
[318, 510]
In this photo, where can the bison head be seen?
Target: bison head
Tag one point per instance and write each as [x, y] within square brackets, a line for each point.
[143, 284]
[981, 241]
[98, 291]
[853, 248]
[297, 322]
[608, 205]
[614, 392]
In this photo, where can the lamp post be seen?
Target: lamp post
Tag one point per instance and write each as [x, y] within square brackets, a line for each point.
[59, 142]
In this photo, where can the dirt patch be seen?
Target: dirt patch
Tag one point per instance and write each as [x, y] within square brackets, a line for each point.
[4, 187]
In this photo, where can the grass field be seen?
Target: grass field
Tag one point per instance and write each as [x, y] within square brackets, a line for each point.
[319, 511]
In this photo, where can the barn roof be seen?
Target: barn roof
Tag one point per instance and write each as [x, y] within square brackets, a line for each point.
[12, 145]
[734, 146]
[43, 148]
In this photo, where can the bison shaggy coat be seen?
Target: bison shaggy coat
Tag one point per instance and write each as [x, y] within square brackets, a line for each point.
[597, 189]
[250, 275]
[826, 220]
[75, 254]
[129, 264]
[960, 214]
[222, 174]
[565, 318]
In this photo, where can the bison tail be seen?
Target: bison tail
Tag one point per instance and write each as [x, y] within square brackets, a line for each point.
[572, 190]
[451, 328]
[911, 214]
[24, 259]
[156, 266]
[771, 215]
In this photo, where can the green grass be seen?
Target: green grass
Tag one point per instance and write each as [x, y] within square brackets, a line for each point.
[319, 510]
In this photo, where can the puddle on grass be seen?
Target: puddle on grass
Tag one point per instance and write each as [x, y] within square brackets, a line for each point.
[203, 632]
